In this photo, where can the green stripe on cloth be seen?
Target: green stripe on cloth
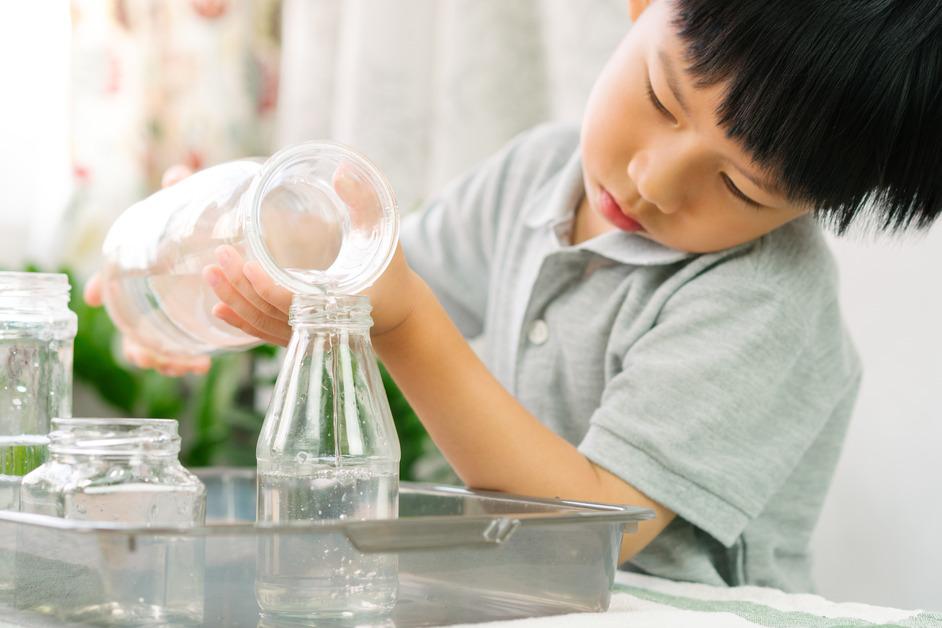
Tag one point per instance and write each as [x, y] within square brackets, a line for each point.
[766, 616]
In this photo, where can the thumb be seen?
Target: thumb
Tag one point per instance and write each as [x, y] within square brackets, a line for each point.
[92, 291]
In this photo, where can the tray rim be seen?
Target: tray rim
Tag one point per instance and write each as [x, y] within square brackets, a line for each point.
[572, 511]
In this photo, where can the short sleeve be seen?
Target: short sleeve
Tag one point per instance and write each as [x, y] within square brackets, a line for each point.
[718, 401]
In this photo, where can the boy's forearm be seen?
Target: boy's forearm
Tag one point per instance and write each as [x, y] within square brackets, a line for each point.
[489, 438]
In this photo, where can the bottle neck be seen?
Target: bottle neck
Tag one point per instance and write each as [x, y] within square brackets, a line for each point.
[32, 293]
[114, 438]
[315, 313]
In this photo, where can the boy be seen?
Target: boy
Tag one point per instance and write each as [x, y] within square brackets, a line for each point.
[658, 311]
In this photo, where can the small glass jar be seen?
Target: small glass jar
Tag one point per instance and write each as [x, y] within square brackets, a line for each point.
[37, 330]
[115, 470]
[121, 471]
[318, 217]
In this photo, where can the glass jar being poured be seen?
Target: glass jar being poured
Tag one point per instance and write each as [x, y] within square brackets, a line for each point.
[318, 217]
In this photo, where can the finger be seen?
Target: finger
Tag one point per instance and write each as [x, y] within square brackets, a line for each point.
[266, 287]
[174, 174]
[360, 197]
[231, 317]
[255, 318]
[354, 191]
[174, 366]
[231, 263]
[92, 291]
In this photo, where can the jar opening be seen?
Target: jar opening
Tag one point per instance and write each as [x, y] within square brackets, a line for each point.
[320, 217]
[34, 291]
[114, 437]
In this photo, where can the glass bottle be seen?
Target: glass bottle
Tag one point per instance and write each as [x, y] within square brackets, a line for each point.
[318, 217]
[122, 471]
[37, 330]
[328, 450]
[117, 471]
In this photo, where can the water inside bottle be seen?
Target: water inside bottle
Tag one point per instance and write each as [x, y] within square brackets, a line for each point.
[171, 310]
[323, 575]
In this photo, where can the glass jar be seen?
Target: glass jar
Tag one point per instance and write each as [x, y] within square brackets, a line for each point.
[115, 470]
[37, 330]
[318, 217]
[328, 450]
[122, 471]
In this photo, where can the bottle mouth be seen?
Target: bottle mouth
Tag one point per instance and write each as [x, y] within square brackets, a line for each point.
[330, 310]
[321, 218]
[114, 437]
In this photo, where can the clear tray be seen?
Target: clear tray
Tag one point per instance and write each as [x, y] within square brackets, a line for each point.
[464, 556]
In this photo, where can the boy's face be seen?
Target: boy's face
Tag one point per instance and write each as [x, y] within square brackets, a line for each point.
[655, 160]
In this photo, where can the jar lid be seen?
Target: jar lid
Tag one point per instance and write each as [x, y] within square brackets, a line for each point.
[321, 218]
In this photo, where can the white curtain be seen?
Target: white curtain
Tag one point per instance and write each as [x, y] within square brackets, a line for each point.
[426, 88]
[35, 170]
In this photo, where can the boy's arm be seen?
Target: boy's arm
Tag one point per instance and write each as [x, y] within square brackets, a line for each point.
[489, 438]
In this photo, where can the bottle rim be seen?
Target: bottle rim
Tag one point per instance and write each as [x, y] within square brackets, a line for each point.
[114, 437]
[320, 282]
[330, 310]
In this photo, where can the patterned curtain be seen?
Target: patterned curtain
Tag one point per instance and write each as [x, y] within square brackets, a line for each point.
[155, 83]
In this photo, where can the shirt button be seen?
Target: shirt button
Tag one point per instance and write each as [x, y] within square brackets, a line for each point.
[539, 332]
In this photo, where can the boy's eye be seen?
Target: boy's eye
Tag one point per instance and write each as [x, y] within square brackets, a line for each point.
[738, 193]
[658, 104]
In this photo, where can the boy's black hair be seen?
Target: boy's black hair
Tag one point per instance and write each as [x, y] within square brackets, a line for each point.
[841, 100]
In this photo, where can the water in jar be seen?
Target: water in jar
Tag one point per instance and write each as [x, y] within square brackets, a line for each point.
[324, 575]
[35, 384]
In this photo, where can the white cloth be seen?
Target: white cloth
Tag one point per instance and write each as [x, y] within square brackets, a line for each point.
[642, 601]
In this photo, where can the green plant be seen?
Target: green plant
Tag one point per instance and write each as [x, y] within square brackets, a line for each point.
[218, 413]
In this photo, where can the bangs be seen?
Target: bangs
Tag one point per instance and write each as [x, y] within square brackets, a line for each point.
[841, 102]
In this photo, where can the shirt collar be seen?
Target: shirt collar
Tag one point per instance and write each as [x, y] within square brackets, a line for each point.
[555, 211]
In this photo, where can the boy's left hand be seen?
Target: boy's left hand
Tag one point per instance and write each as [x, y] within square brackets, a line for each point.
[253, 302]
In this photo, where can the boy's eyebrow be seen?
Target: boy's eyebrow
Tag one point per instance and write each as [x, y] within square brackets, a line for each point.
[763, 184]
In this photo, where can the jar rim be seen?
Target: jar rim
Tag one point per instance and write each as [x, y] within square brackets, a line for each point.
[81, 421]
[32, 285]
[315, 281]
[91, 437]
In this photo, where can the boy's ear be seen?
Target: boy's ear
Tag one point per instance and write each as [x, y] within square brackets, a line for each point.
[637, 7]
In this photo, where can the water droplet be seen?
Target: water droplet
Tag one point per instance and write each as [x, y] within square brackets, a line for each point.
[302, 457]
[21, 389]
[17, 402]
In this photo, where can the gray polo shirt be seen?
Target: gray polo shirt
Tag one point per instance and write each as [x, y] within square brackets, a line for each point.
[719, 385]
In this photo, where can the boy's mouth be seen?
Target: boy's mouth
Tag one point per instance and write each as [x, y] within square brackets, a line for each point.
[612, 211]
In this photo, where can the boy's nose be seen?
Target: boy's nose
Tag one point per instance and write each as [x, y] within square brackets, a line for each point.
[659, 179]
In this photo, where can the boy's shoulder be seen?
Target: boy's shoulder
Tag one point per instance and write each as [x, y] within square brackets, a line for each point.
[796, 259]
[538, 154]
[792, 265]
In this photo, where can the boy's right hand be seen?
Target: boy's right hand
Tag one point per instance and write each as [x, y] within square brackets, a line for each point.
[140, 356]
